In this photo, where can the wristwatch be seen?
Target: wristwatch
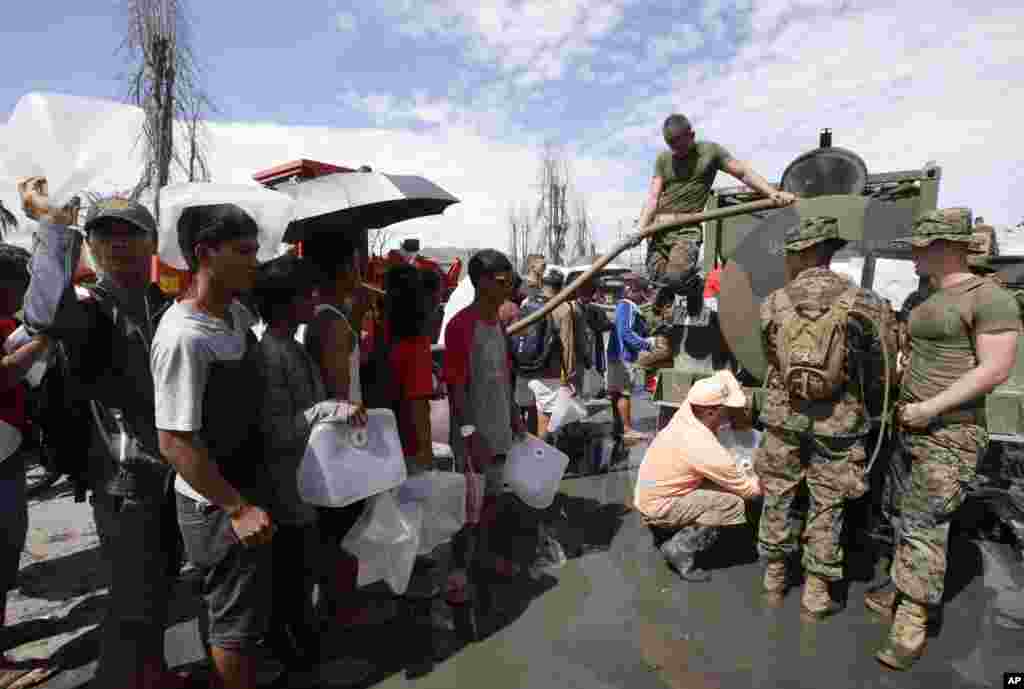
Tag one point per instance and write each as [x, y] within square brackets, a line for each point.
[467, 431]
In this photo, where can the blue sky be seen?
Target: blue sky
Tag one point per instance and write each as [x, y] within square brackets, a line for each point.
[465, 93]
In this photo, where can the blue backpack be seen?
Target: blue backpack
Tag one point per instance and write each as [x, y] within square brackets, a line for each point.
[533, 348]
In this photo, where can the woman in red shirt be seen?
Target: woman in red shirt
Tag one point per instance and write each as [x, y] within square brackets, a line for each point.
[410, 362]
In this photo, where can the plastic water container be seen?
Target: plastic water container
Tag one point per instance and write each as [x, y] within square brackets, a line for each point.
[533, 471]
[343, 464]
[742, 445]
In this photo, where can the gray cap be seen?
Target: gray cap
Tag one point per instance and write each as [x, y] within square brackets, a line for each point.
[119, 208]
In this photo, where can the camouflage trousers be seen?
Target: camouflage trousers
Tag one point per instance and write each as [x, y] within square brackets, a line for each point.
[941, 462]
[833, 471]
[668, 258]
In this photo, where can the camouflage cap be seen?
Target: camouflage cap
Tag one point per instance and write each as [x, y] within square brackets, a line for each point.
[951, 224]
[119, 208]
[812, 231]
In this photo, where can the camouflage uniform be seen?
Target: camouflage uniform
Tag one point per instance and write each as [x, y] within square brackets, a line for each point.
[942, 458]
[819, 442]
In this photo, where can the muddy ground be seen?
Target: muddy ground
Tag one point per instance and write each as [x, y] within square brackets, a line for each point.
[612, 616]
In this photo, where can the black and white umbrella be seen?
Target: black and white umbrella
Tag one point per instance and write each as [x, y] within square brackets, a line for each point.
[364, 200]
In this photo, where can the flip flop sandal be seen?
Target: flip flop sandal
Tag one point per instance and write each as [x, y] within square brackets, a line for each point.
[26, 678]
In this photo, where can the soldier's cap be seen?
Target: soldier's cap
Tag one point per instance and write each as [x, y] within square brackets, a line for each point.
[951, 224]
[722, 388]
[812, 231]
[119, 208]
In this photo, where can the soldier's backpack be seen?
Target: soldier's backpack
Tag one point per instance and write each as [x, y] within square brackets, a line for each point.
[533, 348]
[812, 345]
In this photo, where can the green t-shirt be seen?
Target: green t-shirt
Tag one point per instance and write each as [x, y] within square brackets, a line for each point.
[686, 183]
[942, 332]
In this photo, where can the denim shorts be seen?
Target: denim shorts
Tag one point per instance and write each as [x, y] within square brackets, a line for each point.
[237, 579]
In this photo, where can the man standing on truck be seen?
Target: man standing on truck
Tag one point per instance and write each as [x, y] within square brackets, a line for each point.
[682, 182]
[963, 344]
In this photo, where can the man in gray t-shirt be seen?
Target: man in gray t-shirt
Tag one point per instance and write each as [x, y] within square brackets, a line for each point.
[187, 342]
[208, 388]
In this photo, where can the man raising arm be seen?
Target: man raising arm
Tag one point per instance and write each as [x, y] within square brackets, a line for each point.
[683, 177]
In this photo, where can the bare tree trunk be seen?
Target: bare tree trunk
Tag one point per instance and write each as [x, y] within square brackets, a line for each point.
[552, 212]
[165, 85]
[520, 228]
[583, 236]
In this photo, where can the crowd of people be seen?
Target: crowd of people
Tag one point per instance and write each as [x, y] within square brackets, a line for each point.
[216, 420]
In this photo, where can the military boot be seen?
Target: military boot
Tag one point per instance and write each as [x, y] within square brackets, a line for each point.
[816, 602]
[681, 551]
[882, 602]
[908, 636]
[776, 581]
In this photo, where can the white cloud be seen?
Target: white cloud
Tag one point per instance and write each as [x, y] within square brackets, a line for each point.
[682, 40]
[896, 92]
[345, 22]
[534, 39]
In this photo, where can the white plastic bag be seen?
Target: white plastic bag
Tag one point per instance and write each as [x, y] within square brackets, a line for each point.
[533, 471]
[567, 410]
[440, 421]
[442, 495]
[10, 440]
[343, 463]
[592, 383]
[271, 210]
[386, 541]
[742, 445]
[76, 143]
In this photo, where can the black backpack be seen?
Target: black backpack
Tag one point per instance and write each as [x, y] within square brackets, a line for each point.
[532, 350]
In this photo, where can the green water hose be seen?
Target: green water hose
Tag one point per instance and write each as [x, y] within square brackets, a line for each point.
[885, 404]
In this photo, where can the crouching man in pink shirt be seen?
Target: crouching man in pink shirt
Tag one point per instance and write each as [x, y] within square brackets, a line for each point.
[689, 486]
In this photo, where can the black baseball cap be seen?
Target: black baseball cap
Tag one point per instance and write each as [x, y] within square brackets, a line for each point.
[120, 208]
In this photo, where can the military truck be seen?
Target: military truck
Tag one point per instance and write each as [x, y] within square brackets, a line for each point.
[872, 209]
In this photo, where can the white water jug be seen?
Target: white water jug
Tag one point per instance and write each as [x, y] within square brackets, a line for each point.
[533, 471]
[344, 464]
[741, 444]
